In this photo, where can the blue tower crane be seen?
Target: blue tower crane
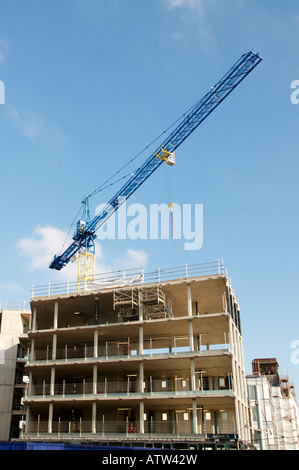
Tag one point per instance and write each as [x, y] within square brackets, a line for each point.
[84, 238]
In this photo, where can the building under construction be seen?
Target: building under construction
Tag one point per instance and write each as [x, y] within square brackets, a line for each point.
[150, 360]
[274, 409]
[14, 326]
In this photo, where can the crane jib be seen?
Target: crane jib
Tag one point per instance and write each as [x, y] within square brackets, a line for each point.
[198, 113]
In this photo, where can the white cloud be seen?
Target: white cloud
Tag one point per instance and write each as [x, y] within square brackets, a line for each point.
[30, 124]
[194, 14]
[132, 259]
[194, 6]
[178, 36]
[48, 241]
[40, 248]
[12, 286]
[33, 127]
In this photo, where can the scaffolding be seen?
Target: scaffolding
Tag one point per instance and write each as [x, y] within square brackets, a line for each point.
[149, 302]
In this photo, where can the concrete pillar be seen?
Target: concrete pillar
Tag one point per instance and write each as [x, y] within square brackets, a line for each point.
[141, 378]
[141, 417]
[29, 389]
[191, 337]
[189, 300]
[241, 421]
[95, 378]
[32, 350]
[55, 322]
[34, 319]
[54, 346]
[140, 346]
[50, 418]
[140, 304]
[194, 411]
[193, 385]
[94, 418]
[29, 420]
[95, 343]
[52, 384]
[235, 374]
[232, 351]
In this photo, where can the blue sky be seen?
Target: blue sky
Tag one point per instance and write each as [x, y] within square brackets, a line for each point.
[89, 83]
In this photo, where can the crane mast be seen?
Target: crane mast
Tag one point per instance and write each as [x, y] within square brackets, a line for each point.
[83, 240]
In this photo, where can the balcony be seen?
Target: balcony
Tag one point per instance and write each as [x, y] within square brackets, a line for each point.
[179, 426]
[174, 387]
[176, 347]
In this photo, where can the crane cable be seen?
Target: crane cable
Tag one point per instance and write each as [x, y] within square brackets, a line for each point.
[103, 186]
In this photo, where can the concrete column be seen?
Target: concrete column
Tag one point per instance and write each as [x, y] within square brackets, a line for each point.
[235, 374]
[232, 350]
[34, 319]
[94, 418]
[140, 346]
[189, 300]
[140, 378]
[29, 424]
[50, 418]
[32, 350]
[54, 346]
[235, 339]
[194, 411]
[95, 378]
[95, 343]
[241, 421]
[141, 417]
[52, 384]
[191, 337]
[55, 323]
[29, 389]
[140, 303]
[192, 375]
[237, 421]
[245, 422]
[239, 377]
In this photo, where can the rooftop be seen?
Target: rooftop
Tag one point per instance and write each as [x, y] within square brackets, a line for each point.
[131, 278]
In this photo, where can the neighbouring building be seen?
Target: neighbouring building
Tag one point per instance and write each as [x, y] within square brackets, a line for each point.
[274, 410]
[14, 325]
[153, 360]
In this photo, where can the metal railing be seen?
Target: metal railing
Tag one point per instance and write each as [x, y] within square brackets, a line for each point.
[179, 426]
[4, 305]
[132, 277]
[129, 351]
[131, 387]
